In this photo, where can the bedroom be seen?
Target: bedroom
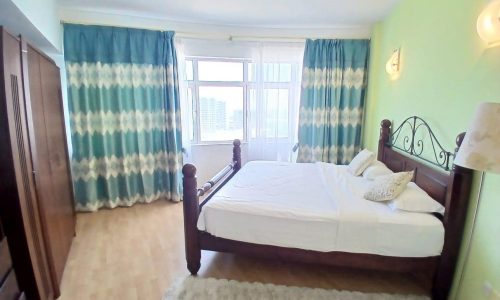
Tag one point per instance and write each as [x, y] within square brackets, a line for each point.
[445, 69]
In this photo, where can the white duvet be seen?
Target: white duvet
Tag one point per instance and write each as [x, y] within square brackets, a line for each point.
[316, 207]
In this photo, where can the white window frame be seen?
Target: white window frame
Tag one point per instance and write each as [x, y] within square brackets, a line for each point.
[247, 85]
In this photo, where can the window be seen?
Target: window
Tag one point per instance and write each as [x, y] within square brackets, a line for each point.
[220, 71]
[220, 113]
[275, 106]
[229, 98]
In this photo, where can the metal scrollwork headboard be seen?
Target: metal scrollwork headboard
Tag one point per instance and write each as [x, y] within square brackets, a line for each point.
[415, 146]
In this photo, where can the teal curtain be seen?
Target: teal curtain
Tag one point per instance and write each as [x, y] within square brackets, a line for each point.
[123, 93]
[334, 80]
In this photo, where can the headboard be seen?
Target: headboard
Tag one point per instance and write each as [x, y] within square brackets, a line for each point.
[450, 186]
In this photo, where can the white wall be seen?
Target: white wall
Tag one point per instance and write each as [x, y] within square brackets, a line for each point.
[210, 159]
[17, 22]
[43, 15]
[80, 16]
[37, 22]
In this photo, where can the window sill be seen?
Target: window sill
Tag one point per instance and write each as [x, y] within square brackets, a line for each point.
[216, 143]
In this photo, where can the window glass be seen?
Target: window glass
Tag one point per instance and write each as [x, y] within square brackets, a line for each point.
[221, 113]
[220, 71]
[276, 110]
[252, 72]
[191, 106]
[222, 98]
[277, 72]
[272, 120]
[252, 113]
[271, 72]
[189, 70]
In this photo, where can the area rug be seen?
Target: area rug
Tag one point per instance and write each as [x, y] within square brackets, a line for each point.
[222, 289]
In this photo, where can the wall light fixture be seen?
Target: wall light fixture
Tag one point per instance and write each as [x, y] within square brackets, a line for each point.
[393, 64]
[488, 24]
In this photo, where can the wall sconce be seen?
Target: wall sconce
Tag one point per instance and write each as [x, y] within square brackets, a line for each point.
[488, 24]
[392, 65]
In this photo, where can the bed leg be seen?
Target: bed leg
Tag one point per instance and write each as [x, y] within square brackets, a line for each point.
[237, 154]
[437, 293]
[191, 212]
[193, 264]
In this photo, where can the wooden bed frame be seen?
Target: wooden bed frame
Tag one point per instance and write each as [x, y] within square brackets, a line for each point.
[451, 188]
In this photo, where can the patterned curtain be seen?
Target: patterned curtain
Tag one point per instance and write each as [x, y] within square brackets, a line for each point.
[334, 81]
[124, 115]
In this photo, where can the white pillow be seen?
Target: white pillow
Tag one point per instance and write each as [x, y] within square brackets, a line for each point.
[413, 198]
[388, 187]
[377, 168]
[360, 162]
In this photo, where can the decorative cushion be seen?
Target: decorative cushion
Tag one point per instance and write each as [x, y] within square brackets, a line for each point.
[388, 187]
[413, 198]
[376, 169]
[360, 162]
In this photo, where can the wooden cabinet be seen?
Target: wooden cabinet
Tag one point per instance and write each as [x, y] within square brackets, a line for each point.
[36, 204]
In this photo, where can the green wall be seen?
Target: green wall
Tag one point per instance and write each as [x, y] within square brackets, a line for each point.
[446, 70]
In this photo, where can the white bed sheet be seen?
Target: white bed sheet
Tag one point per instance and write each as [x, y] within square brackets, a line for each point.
[315, 207]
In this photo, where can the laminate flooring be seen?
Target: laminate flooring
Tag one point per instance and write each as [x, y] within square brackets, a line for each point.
[138, 252]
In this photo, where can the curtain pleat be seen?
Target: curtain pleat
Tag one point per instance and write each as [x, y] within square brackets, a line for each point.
[334, 80]
[123, 93]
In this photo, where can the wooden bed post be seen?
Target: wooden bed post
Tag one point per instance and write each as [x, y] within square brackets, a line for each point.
[191, 212]
[458, 190]
[385, 133]
[237, 154]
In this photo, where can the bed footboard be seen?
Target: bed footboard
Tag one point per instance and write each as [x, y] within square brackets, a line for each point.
[192, 206]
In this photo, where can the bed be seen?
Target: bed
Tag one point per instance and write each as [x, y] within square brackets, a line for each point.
[315, 213]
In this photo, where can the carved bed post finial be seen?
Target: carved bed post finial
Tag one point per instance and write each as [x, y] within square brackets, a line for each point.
[189, 171]
[237, 154]
[385, 133]
[459, 140]
[191, 211]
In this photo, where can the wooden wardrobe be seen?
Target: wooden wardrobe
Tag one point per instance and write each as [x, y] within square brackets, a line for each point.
[36, 207]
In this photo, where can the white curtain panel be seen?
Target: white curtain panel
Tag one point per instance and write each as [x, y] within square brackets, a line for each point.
[186, 104]
[273, 92]
[274, 101]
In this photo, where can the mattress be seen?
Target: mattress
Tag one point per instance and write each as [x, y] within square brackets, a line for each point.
[316, 206]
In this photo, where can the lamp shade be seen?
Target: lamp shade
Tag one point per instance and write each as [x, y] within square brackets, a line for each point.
[392, 65]
[480, 149]
[488, 24]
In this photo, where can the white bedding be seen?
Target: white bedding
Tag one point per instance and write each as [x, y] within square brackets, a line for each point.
[316, 207]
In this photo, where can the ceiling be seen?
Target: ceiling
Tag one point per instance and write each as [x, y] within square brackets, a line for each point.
[248, 13]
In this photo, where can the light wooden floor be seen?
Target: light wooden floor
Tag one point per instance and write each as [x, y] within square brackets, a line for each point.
[137, 252]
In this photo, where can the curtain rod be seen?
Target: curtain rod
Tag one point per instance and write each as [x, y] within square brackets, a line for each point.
[224, 37]
[239, 38]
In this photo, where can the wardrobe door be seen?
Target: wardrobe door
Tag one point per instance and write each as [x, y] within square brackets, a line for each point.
[52, 179]
[19, 209]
